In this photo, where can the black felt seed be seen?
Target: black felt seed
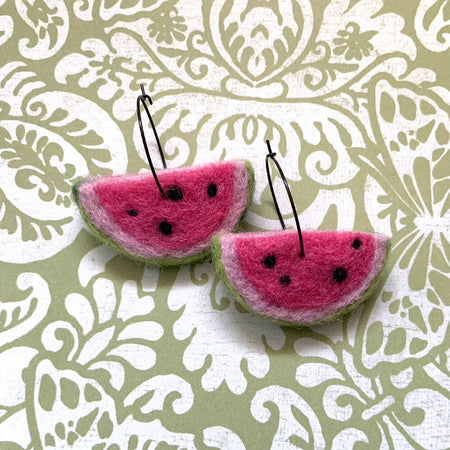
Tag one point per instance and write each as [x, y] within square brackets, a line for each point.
[269, 261]
[132, 213]
[212, 190]
[356, 244]
[285, 280]
[339, 274]
[165, 228]
[175, 193]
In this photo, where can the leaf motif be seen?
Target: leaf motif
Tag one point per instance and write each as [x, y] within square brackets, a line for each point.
[131, 305]
[6, 28]
[93, 263]
[95, 345]
[81, 310]
[412, 326]
[353, 372]
[37, 166]
[151, 395]
[225, 335]
[349, 437]
[258, 50]
[363, 35]
[407, 206]
[431, 406]
[61, 337]
[113, 67]
[105, 299]
[285, 399]
[338, 409]
[402, 379]
[110, 9]
[311, 375]
[249, 129]
[314, 348]
[17, 318]
[81, 412]
[431, 14]
[44, 155]
[440, 284]
[70, 408]
[432, 24]
[115, 371]
[99, 146]
[222, 438]
[139, 356]
[147, 330]
[50, 23]
[374, 339]
[396, 342]
[408, 118]
[415, 316]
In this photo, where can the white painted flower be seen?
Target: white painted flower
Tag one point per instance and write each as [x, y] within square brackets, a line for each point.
[98, 63]
[216, 328]
[115, 68]
[377, 404]
[113, 331]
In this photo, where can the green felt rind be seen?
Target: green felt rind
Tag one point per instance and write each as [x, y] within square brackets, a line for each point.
[216, 252]
[160, 262]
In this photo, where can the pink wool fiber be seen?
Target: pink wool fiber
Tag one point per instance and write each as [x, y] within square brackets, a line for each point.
[266, 270]
[131, 211]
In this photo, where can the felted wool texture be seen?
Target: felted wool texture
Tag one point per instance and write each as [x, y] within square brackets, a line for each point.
[312, 294]
[106, 202]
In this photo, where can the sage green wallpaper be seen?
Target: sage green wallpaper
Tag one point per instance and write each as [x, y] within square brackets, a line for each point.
[98, 352]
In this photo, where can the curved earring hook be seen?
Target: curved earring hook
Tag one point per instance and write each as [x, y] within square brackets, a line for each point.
[272, 155]
[141, 99]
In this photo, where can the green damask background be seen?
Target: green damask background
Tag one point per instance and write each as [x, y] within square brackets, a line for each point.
[99, 352]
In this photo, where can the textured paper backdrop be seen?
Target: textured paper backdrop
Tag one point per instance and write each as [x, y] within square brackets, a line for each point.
[99, 352]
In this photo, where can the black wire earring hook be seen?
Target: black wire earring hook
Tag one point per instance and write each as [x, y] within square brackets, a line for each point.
[272, 155]
[141, 99]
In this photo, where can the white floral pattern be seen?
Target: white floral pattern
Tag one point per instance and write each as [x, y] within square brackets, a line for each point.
[103, 353]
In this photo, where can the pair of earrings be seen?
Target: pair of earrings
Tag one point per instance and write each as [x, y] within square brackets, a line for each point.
[181, 215]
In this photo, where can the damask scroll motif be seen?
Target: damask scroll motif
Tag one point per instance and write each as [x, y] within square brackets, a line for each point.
[105, 353]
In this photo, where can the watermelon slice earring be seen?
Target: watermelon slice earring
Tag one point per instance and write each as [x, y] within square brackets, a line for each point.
[169, 217]
[297, 278]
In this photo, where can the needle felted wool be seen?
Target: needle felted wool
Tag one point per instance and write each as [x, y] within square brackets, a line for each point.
[129, 213]
[265, 272]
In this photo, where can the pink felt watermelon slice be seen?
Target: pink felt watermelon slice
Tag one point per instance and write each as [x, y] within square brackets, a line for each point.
[265, 272]
[129, 213]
